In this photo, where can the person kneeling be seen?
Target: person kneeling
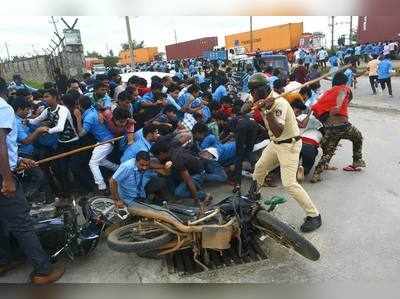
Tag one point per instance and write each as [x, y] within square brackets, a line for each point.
[132, 179]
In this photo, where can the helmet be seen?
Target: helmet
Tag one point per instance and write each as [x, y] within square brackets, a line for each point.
[257, 80]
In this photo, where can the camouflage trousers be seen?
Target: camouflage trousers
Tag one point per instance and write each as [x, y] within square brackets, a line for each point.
[331, 140]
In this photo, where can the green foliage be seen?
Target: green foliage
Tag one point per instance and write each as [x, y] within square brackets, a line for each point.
[135, 44]
[93, 54]
[34, 84]
[110, 61]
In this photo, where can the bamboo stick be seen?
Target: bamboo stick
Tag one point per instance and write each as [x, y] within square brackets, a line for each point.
[75, 151]
[309, 83]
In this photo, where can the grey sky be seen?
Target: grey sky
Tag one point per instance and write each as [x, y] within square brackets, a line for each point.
[26, 35]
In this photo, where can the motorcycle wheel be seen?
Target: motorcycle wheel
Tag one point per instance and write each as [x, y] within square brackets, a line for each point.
[139, 237]
[286, 236]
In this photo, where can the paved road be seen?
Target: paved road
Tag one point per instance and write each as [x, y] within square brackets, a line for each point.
[358, 240]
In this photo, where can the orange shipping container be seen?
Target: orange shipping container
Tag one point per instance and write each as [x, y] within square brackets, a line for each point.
[141, 55]
[268, 39]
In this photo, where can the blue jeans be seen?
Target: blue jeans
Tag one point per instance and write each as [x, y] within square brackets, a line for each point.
[183, 191]
[215, 172]
[16, 221]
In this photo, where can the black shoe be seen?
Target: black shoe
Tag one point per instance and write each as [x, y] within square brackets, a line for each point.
[311, 223]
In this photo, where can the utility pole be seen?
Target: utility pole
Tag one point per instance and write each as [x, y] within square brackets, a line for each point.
[176, 37]
[128, 30]
[351, 31]
[333, 32]
[8, 52]
[251, 34]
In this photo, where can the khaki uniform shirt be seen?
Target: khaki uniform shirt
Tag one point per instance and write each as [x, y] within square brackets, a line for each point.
[284, 114]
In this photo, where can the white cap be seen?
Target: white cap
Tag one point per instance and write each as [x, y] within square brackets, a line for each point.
[213, 151]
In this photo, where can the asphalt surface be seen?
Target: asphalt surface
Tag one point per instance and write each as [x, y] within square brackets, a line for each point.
[358, 240]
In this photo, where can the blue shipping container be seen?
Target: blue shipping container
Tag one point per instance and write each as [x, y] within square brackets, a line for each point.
[215, 55]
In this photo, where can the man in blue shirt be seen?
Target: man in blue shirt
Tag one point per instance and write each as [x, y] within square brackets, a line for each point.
[91, 124]
[14, 210]
[144, 138]
[149, 96]
[18, 84]
[205, 139]
[334, 62]
[99, 98]
[129, 182]
[221, 90]
[385, 68]
[26, 136]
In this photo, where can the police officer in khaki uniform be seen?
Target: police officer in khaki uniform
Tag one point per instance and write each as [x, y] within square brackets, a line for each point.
[284, 148]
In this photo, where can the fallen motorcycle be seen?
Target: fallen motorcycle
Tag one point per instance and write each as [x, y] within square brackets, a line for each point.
[167, 229]
[60, 232]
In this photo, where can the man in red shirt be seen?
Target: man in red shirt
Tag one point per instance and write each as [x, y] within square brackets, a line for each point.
[300, 72]
[332, 110]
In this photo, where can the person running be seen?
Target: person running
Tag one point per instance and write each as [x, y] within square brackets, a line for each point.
[384, 71]
[332, 110]
[373, 73]
[284, 149]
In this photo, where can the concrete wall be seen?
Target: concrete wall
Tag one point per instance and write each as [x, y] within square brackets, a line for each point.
[35, 68]
[41, 68]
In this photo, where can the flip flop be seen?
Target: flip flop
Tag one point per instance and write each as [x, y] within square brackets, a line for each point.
[351, 168]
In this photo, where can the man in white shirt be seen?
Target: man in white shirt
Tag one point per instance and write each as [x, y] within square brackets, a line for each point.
[59, 120]
[311, 137]
[322, 57]
[373, 73]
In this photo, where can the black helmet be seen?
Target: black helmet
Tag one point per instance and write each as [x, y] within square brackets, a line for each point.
[257, 80]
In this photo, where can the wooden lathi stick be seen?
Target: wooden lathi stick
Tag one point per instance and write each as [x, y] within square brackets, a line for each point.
[75, 151]
[310, 82]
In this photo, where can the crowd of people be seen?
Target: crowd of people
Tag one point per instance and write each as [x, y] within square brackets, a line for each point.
[378, 57]
[167, 139]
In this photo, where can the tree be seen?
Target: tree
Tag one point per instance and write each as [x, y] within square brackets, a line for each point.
[110, 61]
[135, 44]
[93, 54]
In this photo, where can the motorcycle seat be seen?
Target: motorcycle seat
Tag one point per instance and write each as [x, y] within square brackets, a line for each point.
[184, 210]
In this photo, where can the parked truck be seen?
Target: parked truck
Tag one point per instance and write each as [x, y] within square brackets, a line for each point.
[141, 55]
[378, 29]
[275, 38]
[191, 49]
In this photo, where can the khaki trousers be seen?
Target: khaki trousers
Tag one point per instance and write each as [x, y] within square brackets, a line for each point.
[286, 155]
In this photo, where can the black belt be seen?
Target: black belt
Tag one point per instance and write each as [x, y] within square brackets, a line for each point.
[290, 140]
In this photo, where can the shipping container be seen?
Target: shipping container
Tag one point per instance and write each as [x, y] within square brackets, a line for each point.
[216, 55]
[141, 55]
[91, 61]
[378, 28]
[275, 38]
[191, 49]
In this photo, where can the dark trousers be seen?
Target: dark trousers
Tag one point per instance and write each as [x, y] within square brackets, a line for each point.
[372, 81]
[308, 154]
[158, 190]
[72, 172]
[331, 140]
[16, 221]
[215, 172]
[388, 82]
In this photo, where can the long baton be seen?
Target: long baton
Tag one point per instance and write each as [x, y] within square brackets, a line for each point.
[310, 82]
[75, 151]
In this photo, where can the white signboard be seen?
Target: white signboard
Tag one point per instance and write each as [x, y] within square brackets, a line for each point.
[72, 37]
